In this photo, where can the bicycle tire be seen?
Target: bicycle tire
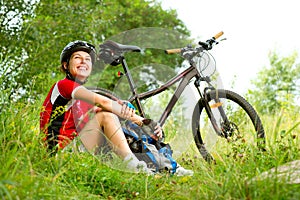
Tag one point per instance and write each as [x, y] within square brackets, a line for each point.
[104, 92]
[238, 100]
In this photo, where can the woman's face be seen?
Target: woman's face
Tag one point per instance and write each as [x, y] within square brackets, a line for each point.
[80, 65]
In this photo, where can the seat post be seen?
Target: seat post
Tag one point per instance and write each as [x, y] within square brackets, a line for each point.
[128, 75]
[132, 85]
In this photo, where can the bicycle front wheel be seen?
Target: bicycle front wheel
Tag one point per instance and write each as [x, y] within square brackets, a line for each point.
[229, 127]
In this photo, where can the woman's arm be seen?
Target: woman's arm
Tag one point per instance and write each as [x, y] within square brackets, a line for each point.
[106, 104]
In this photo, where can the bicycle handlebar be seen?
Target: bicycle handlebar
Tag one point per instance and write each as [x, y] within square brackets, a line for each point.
[206, 45]
[218, 35]
[172, 51]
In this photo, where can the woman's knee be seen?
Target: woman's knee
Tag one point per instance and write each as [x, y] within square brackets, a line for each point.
[104, 117]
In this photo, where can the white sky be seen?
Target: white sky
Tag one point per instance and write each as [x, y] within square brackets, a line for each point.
[252, 28]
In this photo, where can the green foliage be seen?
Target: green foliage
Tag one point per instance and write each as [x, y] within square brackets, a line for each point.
[276, 86]
[32, 48]
[13, 14]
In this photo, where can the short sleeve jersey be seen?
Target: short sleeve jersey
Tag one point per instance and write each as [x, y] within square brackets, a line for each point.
[62, 117]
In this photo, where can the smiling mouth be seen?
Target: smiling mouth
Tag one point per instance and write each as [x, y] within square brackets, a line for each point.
[82, 68]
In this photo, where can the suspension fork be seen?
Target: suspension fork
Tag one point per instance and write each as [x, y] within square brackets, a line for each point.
[208, 108]
[210, 115]
[225, 123]
[204, 102]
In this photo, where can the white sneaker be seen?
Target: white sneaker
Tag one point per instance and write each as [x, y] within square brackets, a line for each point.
[134, 165]
[180, 171]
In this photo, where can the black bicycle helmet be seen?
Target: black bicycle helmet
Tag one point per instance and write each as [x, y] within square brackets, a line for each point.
[77, 45]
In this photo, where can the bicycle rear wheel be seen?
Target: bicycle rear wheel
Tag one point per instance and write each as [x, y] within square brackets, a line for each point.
[230, 127]
[104, 92]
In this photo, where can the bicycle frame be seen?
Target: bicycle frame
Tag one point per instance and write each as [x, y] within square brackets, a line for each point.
[185, 78]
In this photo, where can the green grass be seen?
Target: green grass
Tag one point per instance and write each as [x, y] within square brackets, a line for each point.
[27, 172]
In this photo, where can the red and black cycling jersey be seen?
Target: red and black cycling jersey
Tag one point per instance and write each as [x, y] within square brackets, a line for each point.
[62, 117]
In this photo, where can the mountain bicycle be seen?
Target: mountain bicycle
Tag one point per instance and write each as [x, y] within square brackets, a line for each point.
[223, 108]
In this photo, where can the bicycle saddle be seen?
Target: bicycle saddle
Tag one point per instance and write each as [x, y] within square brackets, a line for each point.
[119, 47]
[112, 52]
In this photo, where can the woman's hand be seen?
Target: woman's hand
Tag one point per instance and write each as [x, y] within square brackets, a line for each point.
[158, 131]
[127, 110]
[155, 127]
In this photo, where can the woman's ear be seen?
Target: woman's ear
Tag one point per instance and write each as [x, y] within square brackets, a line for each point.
[65, 65]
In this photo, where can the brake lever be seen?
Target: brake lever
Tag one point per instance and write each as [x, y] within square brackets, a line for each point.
[205, 45]
[188, 52]
[208, 45]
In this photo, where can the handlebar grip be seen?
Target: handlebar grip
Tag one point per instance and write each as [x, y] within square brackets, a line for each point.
[218, 35]
[172, 51]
